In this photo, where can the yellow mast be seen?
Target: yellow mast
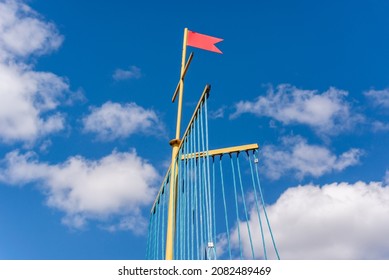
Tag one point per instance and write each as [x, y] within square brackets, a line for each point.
[175, 143]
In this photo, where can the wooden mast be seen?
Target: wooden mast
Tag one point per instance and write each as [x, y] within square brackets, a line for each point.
[175, 144]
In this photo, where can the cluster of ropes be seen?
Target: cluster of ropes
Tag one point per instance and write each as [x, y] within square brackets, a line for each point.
[219, 207]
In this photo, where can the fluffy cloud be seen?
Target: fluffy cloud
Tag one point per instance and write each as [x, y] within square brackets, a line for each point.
[23, 32]
[113, 120]
[380, 98]
[28, 98]
[118, 184]
[135, 223]
[132, 73]
[219, 113]
[326, 113]
[335, 221]
[296, 155]
[378, 126]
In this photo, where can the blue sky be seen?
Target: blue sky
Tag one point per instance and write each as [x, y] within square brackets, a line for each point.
[86, 117]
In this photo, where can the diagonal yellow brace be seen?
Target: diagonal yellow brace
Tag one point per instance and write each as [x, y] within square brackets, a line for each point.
[182, 77]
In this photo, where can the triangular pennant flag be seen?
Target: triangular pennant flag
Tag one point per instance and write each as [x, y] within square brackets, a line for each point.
[202, 41]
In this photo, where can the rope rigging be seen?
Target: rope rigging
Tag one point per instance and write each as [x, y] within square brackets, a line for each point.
[218, 212]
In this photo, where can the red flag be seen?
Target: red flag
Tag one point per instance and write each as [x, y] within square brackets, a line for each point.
[202, 41]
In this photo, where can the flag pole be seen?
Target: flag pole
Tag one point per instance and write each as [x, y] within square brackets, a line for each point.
[183, 62]
[175, 143]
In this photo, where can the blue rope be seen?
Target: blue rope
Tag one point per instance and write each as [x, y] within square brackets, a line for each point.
[148, 240]
[195, 191]
[177, 220]
[158, 226]
[173, 178]
[192, 216]
[257, 207]
[151, 256]
[182, 195]
[200, 192]
[210, 212]
[189, 200]
[203, 149]
[236, 207]
[155, 237]
[164, 209]
[205, 189]
[179, 204]
[185, 204]
[225, 207]
[205, 169]
[264, 209]
[161, 227]
[176, 205]
[244, 205]
[160, 230]
[214, 202]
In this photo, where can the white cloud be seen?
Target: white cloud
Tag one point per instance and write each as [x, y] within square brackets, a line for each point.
[335, 221]
[135, 223]
[132, 73]
[378, 126]
[28, 98]
[219, 113]
[23, 32]
[326, 113]
[113, 120]
[44, 147]
[118, 184]
[296, 155]
[379, 97]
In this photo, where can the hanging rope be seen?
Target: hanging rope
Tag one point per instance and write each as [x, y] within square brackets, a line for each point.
[157, 226]
[236, 207]
[257, 207]
[205, 192]
[244, 205]
[214, 204]
[193, 198]
[148, 244]
[264, 208]
[164, 214]
[225, 208]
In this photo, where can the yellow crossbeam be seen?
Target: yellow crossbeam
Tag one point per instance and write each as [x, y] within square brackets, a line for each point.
[215, 152]
[222, 151]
